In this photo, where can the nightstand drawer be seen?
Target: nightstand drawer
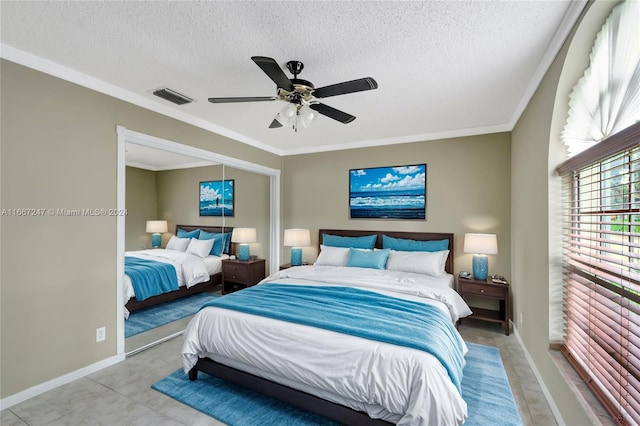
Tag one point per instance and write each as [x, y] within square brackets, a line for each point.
[234, 272]
[483, 290]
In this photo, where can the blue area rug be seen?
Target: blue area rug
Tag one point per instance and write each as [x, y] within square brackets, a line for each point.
[156, 316]
[485, 388]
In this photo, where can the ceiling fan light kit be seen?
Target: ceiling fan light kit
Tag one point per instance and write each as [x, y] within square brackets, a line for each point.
[301, 95]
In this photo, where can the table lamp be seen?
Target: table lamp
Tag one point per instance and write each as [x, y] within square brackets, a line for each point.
[243, 236]
[296, 239]
[480, 245]
[156, 228]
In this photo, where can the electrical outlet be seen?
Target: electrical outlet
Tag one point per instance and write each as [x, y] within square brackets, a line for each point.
[101, 334]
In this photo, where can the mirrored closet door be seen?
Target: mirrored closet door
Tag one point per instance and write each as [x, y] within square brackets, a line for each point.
[165, 186]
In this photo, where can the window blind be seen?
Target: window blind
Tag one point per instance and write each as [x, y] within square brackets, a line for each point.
[601, 271]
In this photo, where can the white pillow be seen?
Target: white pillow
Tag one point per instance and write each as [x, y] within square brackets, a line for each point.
[333, 256]
[179, 244]
[201, 248]
[418, 262]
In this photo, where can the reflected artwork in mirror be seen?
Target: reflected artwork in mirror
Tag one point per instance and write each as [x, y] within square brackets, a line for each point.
[217, 198]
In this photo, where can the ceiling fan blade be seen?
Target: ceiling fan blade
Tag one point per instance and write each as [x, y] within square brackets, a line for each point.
[246, 99]
[275, 73]
[352, 86]
[331, 112]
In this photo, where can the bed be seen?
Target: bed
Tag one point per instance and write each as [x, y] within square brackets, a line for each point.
[405, 369]
[190, 280]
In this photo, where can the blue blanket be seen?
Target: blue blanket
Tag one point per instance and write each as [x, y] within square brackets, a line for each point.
[359, 313]
[149, 277]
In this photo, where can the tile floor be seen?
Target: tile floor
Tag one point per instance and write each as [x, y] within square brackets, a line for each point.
[121, 394]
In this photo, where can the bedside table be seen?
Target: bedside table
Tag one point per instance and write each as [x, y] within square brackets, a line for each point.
[239, 274]
[488, 290]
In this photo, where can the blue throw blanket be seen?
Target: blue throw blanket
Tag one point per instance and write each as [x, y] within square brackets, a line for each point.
[359, 313]
[149, 277]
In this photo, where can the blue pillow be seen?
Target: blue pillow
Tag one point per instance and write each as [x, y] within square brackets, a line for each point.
[218, 241]
[366, 242]
[368, 259]
[401, 244]
[227, 242]
[188, 234]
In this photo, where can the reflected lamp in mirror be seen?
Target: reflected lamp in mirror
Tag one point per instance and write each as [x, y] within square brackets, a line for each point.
[243, 237]
[296, 239]
[156, 228]
[480, 245]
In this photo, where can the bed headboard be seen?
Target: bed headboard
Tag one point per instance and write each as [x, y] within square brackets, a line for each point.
[212, 229]
[420, 236]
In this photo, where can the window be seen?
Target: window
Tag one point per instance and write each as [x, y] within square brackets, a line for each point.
[601, 224]
[602, 270]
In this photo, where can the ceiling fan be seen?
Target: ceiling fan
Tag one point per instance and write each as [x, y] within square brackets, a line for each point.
[301, 95]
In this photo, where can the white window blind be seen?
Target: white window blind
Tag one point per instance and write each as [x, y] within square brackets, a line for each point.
[602, 271]
[606, 99]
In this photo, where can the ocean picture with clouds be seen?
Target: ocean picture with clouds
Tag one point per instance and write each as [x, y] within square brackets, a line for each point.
[216, 198]
[388, 192]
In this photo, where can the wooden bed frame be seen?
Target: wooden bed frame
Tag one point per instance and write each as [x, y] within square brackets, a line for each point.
[303, 400]
[133, 304]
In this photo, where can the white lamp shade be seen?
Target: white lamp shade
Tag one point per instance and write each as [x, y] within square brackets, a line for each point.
[297, 237]
[287, 114]
[480, 243]
[243, 235]
[307, 116]
[156, 226]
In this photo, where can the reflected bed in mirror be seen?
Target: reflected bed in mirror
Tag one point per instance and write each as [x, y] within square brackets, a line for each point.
[162, 288]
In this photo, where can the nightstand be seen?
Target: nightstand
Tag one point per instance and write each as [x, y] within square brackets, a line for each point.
[489, 290]
[239, 274]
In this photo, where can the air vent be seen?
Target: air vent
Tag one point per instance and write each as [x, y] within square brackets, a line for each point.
[172, 96]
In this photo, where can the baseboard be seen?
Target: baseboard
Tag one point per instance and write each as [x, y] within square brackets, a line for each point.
[554, 408]
[36, 390]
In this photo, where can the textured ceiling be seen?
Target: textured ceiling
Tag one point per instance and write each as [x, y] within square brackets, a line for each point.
[444, 68]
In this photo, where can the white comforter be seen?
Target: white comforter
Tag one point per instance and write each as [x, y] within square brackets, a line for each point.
[400, 385]
[190, 269]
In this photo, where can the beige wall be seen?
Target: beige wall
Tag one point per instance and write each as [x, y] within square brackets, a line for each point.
[468, 190]
[178, 195]
[142, 204]
[59, 147]
[536, 151]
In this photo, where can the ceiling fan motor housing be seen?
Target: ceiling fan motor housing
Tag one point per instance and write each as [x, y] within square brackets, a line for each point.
[303, 88]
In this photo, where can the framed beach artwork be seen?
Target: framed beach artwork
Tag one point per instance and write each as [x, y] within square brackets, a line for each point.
[216, 198]
[388, 192]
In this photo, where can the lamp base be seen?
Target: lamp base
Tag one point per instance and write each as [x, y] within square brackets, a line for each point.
[296, 256]
[480, 267]
[156, 240]
[244, 252]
